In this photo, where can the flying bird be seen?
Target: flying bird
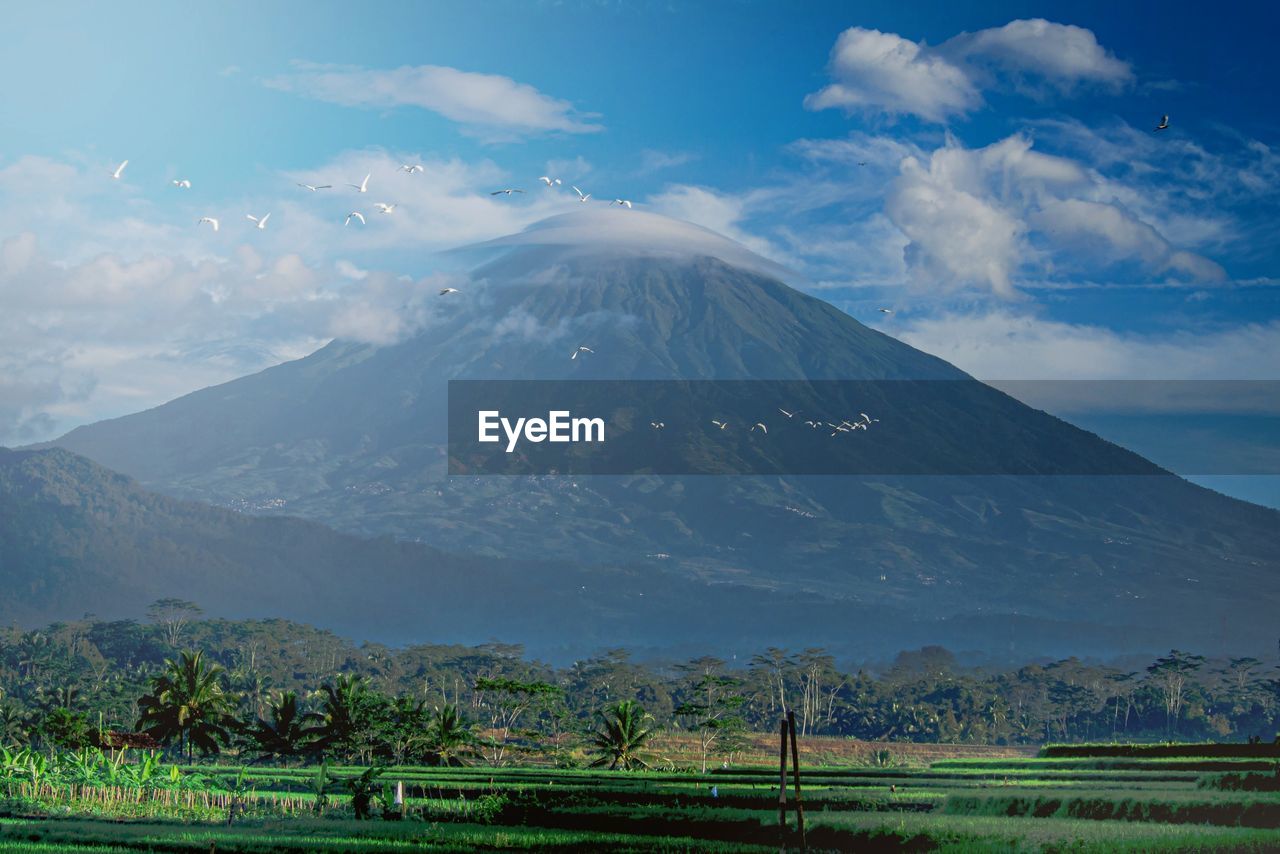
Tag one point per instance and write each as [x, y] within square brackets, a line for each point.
[581, 196]
[862, 163]
[314, 187]
[363, 186]
[763, 428]
[213, 222]
[626, 203]
[788, 414]
[867, 419]
[885, 310]
[182, 183]
[550, 182]
[354, 215]
[262, 223]
[581, 350]
[384, 207]
[657, 425]
[814, 424]
[447, 291]
[410, 168]
[720, 424]
[506, 192]
[1164, 123]
[119, 170]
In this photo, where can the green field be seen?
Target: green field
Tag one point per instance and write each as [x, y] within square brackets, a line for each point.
[1077, 803]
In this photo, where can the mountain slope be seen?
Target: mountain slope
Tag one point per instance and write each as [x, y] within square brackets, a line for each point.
[353, 436]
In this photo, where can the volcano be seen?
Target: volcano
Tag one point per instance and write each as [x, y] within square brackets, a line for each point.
[353, 436]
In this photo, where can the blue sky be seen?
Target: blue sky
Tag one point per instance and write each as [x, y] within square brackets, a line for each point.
[1015, 206]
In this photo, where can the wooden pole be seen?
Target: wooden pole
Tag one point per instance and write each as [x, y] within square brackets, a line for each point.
[782, 778]
[795, 769]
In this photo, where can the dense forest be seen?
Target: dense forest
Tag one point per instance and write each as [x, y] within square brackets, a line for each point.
[277, 690]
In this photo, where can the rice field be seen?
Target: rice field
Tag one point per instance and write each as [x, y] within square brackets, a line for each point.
[1014, 803]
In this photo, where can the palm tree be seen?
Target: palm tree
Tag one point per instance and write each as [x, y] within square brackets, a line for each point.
[624, 729]
[187, 701]
[450, 736]
[348, 717]
[284, 735]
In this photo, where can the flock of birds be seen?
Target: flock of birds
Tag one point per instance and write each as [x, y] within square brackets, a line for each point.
[363, 187]
[845, 426]
[383, 207]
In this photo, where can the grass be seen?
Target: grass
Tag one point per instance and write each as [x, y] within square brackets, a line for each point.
[1016, 803]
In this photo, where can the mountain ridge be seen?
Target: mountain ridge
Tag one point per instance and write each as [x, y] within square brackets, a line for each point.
[353, 435]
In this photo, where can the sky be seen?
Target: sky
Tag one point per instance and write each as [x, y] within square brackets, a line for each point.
[990, 170]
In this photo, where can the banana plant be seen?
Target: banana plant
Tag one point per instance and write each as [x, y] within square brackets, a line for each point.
[81, 767]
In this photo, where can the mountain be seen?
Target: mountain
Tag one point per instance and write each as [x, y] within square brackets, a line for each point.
[354, 436]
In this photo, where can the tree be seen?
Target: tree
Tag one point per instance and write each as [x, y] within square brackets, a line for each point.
[173, 615]
[351, 718]
[66, 729]
[507, 700]
[625, 728]
[449, 736]
[187, 701]
[1170, 675]
[283, 734]
[14, 724]
[713, 713]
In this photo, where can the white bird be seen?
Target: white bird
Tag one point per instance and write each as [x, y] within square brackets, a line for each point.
[384, 207]
[720, 424]
[867, 419]
[213, 222]
[581, 196]
[314, 187]
[119, 170]
[182, 183]
[814, 424]
[763, 428]
[581, 350]
[788, 414]
[262, 223]
[363, 186]
[506, 192]
[626, 203]
[1164, 124]
[410, 168]
[886, 311]
[447, 291]
[354, 215]
[550, 182]
[657, 425]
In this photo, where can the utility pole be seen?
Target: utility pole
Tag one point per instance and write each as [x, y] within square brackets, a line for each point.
[795, 767]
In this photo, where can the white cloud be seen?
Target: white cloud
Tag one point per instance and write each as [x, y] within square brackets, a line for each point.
[1003, 344]
[652, 160]
[1062, 54]
[956, 236]
[986, 217]
[485, 102]
[723, 213]
[884, 72]
[878, 72]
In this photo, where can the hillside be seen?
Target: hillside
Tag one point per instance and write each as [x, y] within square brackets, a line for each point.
[353, 436]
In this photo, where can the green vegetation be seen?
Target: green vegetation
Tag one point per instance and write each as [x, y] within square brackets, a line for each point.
[271, 736]
[281, 692]
[73, 801]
